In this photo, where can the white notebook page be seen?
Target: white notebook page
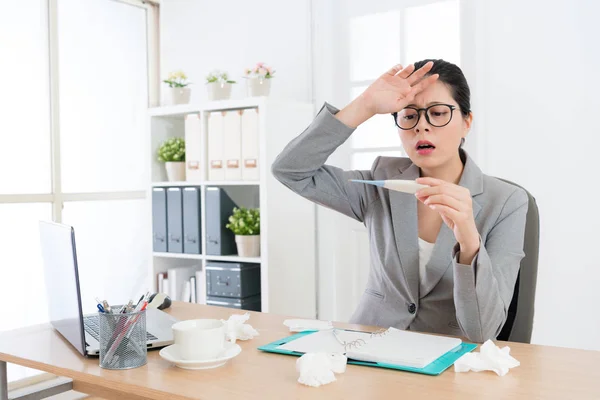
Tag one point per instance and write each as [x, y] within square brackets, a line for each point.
[410, 349]
[323, 341]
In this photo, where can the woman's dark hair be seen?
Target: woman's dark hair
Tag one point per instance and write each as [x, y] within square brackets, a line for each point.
[452, 76]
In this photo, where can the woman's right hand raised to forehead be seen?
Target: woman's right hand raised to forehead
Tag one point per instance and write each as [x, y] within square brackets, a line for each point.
[391, 92]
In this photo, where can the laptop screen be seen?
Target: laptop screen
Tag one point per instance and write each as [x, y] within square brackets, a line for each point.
[62, 282]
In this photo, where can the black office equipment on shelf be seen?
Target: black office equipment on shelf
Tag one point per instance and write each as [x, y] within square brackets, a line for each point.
[159, 219]
[228, 279]
[220, 241]
[250, 304]
[192, 243]
[174, 220]
[235, 285]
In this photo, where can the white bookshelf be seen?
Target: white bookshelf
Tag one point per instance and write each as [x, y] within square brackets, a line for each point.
[178, 256]
[207, 257]
[255, 260]
[205, 183]
[182, 109]
[288, 254]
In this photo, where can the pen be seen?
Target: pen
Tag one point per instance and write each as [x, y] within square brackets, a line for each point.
[106, 306]
[141, 299]
[128, 306]
[142, 303]
[130, 328]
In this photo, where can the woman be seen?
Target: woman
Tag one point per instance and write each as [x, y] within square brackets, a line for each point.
[446, 259]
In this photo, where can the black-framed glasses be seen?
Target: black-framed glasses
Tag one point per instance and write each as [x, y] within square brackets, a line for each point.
[437, 115]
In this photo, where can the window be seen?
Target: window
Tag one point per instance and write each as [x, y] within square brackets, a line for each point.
[103, 103]
[73, 139]
[25, 103]
[379, 41]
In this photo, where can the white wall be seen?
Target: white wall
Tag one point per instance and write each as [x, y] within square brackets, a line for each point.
[199, 36]
[541, 103]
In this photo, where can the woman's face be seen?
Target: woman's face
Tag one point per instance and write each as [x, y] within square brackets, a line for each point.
[429, 146]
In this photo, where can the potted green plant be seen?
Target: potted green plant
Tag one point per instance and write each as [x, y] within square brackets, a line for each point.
[178, 92]
[245, 224]
[259, 79]
[218, 85]
[172, 153]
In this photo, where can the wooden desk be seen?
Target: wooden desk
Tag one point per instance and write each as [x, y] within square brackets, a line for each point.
[545, 372]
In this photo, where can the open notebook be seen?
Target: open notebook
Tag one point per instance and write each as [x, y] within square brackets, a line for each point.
[394, 346]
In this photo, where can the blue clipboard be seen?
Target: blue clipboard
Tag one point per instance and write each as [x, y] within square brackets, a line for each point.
[435, 368]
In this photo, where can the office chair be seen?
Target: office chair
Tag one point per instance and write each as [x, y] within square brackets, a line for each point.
[519, 321]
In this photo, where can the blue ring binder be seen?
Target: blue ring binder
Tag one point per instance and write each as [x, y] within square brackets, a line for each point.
[435, 368]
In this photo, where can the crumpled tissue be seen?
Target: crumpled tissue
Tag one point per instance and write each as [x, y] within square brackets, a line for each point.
[299, 325]
[236, 329]
[489, 358]
[318, 369]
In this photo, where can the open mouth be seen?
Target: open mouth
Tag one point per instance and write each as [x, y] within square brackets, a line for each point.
[423, 145]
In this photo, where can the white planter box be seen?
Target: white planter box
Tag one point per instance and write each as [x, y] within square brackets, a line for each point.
[248, 245]
[178, 95]
[218, 90]
[259, 87]
[175, 171]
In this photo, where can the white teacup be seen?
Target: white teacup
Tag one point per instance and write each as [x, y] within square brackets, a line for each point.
[199, 339]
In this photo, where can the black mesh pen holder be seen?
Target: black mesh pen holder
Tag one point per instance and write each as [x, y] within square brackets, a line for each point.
[122, 340]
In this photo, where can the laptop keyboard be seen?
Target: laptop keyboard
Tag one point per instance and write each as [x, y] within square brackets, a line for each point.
[91, 326]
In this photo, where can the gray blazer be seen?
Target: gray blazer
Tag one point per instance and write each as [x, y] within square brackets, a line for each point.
[456, 299]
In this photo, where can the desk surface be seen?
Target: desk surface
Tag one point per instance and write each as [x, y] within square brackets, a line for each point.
[545, 372]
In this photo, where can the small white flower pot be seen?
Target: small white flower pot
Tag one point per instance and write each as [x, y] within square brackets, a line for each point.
[248, 245]
[175, 171]
[178, 95]
[218, 90]
[259, 86]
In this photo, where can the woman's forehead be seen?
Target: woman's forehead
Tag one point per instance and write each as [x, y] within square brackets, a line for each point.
[437, 92]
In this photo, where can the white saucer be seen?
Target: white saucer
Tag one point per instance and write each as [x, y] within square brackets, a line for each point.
[171, 353]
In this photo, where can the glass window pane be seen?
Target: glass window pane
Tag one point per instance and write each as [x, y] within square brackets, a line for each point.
[378, 131]
[113, 248]
[442, 39]
[24, 103]
[22, 281]
[374, 44]
[364, 160]
[103, 95]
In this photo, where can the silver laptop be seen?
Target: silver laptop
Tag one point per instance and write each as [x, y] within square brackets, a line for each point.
[64, 296]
